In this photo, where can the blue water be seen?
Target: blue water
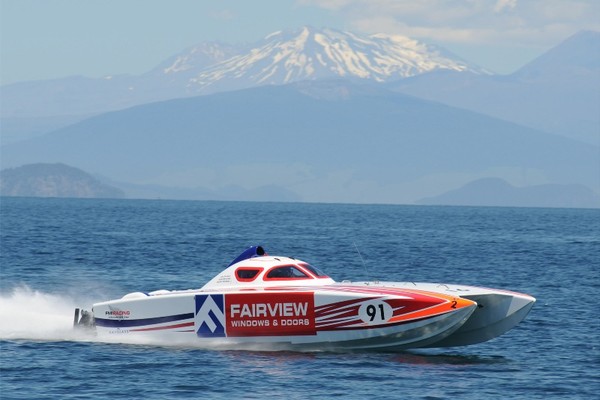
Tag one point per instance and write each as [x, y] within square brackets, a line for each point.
[57, 254]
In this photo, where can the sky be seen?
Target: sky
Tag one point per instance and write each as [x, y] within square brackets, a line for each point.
[43, 39]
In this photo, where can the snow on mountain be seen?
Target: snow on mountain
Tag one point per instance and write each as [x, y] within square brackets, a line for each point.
[210, 67]
[196, 58]
[311, 54]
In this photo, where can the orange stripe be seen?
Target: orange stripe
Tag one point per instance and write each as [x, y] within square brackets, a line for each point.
[451, 304]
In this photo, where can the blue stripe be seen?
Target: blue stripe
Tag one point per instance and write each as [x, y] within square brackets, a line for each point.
[127, 323]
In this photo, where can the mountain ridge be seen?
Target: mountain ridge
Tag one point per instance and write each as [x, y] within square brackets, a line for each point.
[324, 54]
[201, 69]
[497, 192]
[558, 92]
[361, 143]
[331, 140]
[536, 96]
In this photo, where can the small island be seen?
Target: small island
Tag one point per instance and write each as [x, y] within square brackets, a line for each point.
[53, 180]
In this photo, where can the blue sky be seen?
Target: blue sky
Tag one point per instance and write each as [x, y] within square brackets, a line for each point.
[52, 39]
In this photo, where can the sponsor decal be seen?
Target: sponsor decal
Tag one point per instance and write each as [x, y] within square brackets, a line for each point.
[270, 314]
[209, 316]
[118, 331]
[116, 313]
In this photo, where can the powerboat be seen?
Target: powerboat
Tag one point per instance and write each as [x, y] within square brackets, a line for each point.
[261, 301]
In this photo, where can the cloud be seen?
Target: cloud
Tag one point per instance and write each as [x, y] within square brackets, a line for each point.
[531, 22]
[503, 4]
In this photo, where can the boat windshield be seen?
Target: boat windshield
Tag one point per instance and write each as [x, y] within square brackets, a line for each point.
[286, 271]
[315, 271]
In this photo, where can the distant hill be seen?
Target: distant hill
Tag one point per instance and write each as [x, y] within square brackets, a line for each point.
[558, 92]
[400, 122]
[578, 54]
[497, 192]
[53, 180]
[330, 141]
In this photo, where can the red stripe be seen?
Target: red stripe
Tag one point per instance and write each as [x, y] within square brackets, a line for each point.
[352, 312]
[332, 308]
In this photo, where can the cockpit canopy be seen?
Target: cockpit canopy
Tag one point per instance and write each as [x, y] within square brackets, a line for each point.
[288, 271]
[254, 268]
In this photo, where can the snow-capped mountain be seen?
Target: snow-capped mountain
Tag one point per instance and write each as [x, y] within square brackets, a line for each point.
[210, 67]
[311, 54]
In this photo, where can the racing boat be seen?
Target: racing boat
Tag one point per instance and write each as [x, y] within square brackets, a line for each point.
[284, 303]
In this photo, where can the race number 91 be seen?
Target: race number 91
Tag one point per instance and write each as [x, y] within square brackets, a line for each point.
[375, 312]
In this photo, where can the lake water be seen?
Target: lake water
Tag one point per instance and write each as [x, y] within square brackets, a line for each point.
[57, 254]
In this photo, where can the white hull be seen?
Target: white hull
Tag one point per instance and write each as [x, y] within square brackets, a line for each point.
[282, 303]
[174, 318]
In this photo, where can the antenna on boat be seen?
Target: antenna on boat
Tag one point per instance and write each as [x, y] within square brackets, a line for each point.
[361, 259]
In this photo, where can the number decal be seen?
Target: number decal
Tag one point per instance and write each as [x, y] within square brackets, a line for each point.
[453, 304]
[371, 312]
[375, 312]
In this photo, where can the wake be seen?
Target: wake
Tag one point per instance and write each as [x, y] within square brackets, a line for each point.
[30, 314]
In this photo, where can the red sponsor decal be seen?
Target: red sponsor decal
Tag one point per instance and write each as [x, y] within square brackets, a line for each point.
[270, 314]
[117, 313]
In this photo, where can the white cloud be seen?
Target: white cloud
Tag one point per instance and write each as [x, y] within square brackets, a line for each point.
[530, 23]
[503, 4]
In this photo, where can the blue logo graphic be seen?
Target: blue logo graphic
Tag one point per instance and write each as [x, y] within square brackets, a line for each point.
[210, 317]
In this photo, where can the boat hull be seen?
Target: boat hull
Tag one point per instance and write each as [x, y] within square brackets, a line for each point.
[261, 301]
[328, 318]
[498, 311]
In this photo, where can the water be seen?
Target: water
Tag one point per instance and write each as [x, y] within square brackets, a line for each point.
[57, 254]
